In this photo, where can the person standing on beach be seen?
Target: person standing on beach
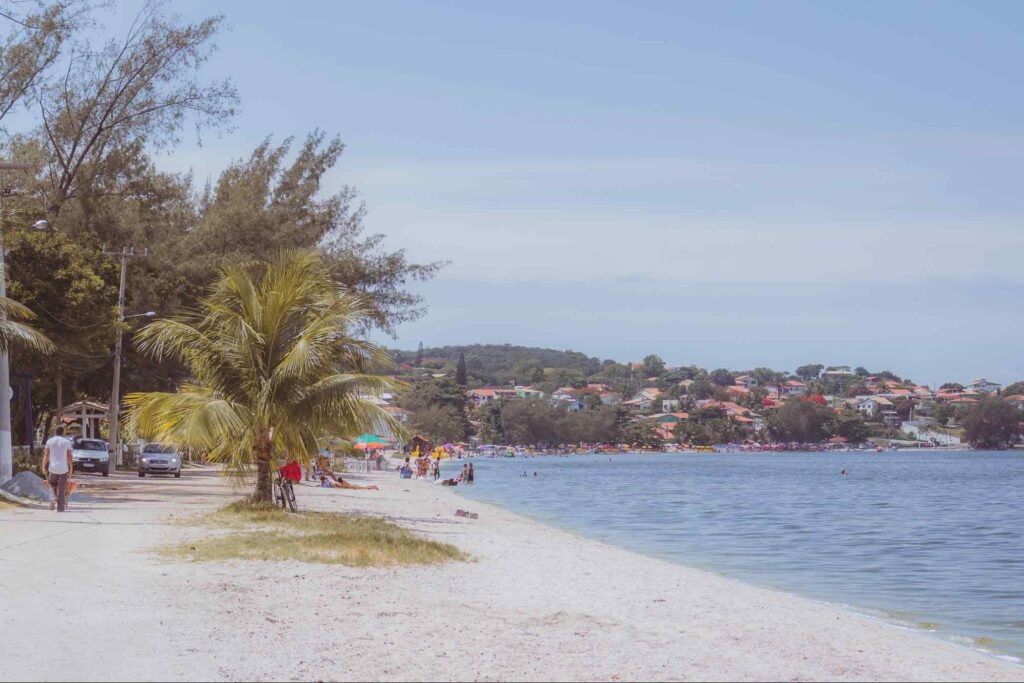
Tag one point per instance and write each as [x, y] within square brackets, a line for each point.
[57, 466]
[469, 474]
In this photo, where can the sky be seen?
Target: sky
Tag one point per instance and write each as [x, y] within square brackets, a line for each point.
[723, 184]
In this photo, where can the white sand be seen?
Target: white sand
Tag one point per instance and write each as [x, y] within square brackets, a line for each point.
[537, 604]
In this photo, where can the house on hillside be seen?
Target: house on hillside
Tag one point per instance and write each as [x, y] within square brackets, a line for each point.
[793, 387]
[643, 399]
[528, 392]
[837, 372]
[983, 386]
[569, 397]
[485, 395]
[873, 405]
[564, 394]
[649, 394]
[610, 398]
[480, 397]
[737, 391]
[1017, 400]
[746, 381]
[670, 405]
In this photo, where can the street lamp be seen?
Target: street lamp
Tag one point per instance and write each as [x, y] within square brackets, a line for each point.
[6, 449]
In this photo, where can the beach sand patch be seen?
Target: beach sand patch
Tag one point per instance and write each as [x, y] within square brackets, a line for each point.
[267, 533]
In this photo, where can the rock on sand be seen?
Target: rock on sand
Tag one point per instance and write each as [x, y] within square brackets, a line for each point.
[27, 485]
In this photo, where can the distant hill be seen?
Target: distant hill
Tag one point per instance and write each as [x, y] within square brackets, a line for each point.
[503, 363]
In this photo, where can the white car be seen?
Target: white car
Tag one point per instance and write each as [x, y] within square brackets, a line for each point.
[90, 455]
[160, 458]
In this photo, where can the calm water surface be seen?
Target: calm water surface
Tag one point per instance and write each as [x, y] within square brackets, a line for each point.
[934, 540]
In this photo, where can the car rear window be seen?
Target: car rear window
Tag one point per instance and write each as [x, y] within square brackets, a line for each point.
[90, 445]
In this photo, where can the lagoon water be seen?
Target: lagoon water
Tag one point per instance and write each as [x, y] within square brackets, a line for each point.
[934, 540]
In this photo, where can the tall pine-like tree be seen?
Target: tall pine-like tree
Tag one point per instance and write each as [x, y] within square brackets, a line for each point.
[460, 370]
[419, 356]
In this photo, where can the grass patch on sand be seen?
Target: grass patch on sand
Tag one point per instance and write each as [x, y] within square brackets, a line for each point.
[265, 532]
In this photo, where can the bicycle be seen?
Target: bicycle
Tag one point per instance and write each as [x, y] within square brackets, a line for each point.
[284, 494]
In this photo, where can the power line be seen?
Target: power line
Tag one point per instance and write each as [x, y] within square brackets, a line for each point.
[67, 324]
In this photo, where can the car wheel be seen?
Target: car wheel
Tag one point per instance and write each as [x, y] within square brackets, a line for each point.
[141, 473]
[177, 475]
[106, 471]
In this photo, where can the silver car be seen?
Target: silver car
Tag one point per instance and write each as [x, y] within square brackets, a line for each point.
[160, 458]
[90, 455]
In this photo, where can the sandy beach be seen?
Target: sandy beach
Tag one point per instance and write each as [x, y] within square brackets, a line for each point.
[536, 603]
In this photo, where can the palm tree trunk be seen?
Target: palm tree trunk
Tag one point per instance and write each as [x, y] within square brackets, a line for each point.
[264, 456]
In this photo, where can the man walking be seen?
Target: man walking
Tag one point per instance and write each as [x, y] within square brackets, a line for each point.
[58, 465]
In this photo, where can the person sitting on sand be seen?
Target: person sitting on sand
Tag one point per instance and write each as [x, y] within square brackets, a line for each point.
[339, 483]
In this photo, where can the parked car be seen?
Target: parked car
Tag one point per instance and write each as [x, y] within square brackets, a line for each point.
[90, 455]
[160, 458]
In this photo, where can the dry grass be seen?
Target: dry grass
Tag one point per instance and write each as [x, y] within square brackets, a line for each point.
[264, 532]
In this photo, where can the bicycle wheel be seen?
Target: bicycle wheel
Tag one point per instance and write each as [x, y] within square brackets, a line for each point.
[290, 497]
[279, 497]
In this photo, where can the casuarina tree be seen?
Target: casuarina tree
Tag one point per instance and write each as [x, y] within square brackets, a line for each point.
[460, 370]
[273, 368]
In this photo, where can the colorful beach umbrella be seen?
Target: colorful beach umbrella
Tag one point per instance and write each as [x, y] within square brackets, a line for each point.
[368, 441]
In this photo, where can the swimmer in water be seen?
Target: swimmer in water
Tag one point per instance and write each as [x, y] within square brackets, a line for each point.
[843, 473]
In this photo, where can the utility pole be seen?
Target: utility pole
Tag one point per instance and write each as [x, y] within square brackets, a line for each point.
[115, 390]
[6, 448]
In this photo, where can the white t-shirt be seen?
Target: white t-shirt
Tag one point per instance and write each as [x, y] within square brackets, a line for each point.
[59, 447]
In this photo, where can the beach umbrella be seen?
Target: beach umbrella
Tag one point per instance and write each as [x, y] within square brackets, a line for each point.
[369, 441]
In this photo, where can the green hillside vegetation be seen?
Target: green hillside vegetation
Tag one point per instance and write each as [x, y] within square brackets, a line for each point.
[500, 364]
[439, 407]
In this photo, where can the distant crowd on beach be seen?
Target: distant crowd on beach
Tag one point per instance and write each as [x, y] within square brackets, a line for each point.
[429, 468]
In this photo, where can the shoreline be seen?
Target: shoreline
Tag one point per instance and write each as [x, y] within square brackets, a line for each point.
[884, 616]
[535, 603]
[879, 615]
[730, 607]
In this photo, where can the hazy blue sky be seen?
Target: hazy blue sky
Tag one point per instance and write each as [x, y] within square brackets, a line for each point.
[722, 184]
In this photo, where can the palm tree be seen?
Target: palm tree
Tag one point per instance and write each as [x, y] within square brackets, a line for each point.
[273, 368]
[20, 334]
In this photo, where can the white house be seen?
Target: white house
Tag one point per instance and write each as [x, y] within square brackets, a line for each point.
[983, 386]
[793, 387]
[746, 381]
[670, 405]
[873, 405]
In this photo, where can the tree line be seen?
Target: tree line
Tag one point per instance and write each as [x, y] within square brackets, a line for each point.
[91, 113]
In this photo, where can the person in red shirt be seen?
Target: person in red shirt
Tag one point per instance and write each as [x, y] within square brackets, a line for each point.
[291, 471]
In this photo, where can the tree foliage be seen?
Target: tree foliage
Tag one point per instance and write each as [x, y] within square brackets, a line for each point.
[721, 377]
[809, 372]
[440, 423]
[273, 368]
[1015, 389]
[801, 421]
[653, 366]
[95, 124]
[992, 423]
[642, 434]
[460, 370]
